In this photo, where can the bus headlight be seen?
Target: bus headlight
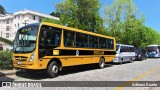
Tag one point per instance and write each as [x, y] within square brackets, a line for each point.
[32, 57]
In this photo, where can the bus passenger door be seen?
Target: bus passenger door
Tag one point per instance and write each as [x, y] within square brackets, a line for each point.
[42, 43]
[49, 39]
[122, 53]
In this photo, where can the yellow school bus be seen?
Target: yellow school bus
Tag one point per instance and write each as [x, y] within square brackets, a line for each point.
[50, 47]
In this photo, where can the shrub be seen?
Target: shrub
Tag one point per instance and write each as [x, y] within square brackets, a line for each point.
[6, 60]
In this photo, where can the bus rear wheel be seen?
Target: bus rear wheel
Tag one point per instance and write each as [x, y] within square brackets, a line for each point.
[101, 63]
[53, 69]
[130, 60]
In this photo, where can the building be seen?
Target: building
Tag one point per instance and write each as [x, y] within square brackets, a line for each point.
[10, 23]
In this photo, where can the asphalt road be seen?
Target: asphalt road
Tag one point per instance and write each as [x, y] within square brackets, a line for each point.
[147, 70]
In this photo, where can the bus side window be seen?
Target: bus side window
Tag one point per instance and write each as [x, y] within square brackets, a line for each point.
[90, 42]
[56, 41]
[130, 49]
[110, 44]
[43, 37]
[81, 40]
[55, 38]
[125, 49]
[93, 42]
[122, 49]
[102, 43]
[69, 39]
[106, 44]
[50, 36]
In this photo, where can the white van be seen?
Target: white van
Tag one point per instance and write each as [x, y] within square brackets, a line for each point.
[124, 53]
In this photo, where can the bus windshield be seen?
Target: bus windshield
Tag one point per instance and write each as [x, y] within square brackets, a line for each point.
[25, 40]
[117, 47]
[152, 49]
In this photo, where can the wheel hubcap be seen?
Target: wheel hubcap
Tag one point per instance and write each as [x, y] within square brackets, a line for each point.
[102, 63]
[55, 69]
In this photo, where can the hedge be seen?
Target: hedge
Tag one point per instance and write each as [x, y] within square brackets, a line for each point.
[6, 60]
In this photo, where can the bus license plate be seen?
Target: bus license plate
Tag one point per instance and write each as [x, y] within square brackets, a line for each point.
[19, 62]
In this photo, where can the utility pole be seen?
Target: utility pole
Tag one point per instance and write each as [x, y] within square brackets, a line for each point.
[25, 22]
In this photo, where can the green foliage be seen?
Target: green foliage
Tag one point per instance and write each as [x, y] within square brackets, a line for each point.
[51, 20]
[82, 14]
[2, 10]
[125, 22]
[6, 41]
[153, 37]
[6, 60]
[55, 14]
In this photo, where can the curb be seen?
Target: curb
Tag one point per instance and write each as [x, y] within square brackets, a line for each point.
[6, 73]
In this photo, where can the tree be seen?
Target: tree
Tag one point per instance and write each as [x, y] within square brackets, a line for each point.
[51, 20]
[124, 21]
[132, 33]
[55, 14]
[2, 10]
[82, 14]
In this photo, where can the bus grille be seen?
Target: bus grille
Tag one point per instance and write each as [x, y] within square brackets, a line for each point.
[20, 58]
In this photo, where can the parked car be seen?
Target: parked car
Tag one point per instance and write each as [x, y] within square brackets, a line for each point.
[140, 54]
[9, 48]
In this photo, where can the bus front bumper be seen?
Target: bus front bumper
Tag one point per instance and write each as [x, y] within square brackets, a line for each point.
[116, 60]
[23, 65]
[152, 55]
[34, 65]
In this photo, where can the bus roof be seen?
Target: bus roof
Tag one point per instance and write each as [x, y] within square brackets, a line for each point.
[153, 45]
[125, 45]
[74, 29]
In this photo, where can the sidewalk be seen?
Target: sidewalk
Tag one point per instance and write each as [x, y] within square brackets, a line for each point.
[9, 72]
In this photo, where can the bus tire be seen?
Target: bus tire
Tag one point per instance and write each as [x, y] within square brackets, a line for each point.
[53, 69]
[101, 63]
[121, 61]
[130, 60]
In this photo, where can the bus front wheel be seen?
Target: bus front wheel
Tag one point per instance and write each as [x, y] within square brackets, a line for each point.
[101, 63]
[53, 69]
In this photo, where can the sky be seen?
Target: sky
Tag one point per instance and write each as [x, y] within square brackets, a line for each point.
[150, 8]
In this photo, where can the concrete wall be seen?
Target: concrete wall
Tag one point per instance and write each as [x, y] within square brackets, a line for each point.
[5, 45]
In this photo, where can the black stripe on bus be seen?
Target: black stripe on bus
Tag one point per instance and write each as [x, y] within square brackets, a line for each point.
[79, 52]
